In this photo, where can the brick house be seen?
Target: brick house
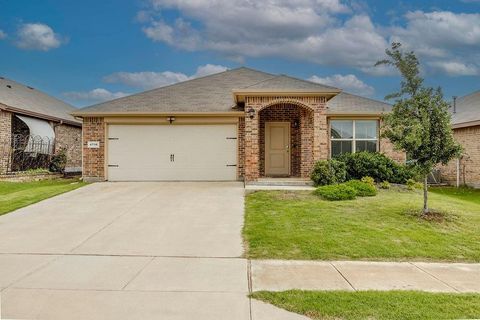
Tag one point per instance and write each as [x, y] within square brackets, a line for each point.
[34, 125]
[240, 124]
[466, 130]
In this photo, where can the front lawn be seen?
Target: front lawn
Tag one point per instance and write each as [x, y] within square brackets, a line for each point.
[391, 305]
[14, 195]
[300, 225]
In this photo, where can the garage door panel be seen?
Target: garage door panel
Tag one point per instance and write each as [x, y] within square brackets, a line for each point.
[143, 152]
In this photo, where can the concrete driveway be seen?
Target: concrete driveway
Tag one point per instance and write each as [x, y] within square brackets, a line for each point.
[129, 251]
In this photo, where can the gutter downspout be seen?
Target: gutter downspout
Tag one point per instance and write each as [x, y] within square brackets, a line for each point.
[458, 172]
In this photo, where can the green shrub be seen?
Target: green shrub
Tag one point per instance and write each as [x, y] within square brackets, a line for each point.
[362, 188]
[336, 192]
[375, 165]
[328, 172]
[59, 161]
[385, 185]
[368, 180]
[412, 184]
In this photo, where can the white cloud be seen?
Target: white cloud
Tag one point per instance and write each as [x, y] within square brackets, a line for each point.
[95, 95]
[454, 68]
[37, 36]
[326, 32]
[3, 35]
[348, 82]
[150, 79]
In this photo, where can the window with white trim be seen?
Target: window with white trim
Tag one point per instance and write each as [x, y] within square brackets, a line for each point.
[353, 136]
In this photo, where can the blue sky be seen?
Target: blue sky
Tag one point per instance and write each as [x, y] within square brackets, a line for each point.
[88, 51]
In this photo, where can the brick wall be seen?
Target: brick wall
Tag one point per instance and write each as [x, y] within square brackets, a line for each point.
[469, 138]
[313, 140]
[93, 159]
[5, 139]
[241, 148]
[386, 147]
[70, 138]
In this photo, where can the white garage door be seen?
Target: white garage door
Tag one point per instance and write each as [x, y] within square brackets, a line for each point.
[172, 152]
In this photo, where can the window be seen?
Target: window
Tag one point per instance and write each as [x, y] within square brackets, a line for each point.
[353, 136]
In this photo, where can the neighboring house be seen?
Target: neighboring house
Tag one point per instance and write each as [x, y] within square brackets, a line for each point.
[33, 126]
[466, 129]
[240, 124]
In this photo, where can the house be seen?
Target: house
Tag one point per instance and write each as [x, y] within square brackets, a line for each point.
[33, 127]
[241, 124]
[466, 129]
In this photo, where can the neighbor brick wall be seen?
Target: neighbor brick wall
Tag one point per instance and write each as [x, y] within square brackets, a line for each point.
[93, 159]
[314, 142]
[70, 138]
[5, 140]
[469, 138]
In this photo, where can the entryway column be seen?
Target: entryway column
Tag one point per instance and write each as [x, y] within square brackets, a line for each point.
[320, 130]
[252, 148]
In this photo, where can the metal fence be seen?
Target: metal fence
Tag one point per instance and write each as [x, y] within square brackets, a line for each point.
[26, 152]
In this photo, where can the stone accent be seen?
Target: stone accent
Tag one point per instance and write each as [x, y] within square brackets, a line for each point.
[314, 140]
[93, 159]
[5, 140]
[469, 138]
[70, 138]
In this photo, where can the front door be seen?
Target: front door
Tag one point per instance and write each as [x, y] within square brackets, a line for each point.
[277, 148]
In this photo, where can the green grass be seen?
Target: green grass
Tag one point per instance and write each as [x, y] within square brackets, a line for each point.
[391, 305]
[14, 195]
[300, 225]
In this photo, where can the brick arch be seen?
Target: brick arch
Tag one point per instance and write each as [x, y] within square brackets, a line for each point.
[286, 101]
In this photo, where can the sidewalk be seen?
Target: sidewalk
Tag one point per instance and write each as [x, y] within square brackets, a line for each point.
[280, 275]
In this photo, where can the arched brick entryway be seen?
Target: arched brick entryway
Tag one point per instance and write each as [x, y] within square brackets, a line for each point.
[300, 120]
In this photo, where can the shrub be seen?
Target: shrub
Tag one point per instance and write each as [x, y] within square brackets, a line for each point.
[385, 185]
[328, 172]
[336, 192]
[375, 165]
[58, 162]
[362, 188]
[412, 184]
[368, 180]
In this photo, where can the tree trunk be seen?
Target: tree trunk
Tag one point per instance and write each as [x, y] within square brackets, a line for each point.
[425, 196]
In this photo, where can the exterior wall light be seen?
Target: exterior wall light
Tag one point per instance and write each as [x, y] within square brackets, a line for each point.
[251, 113]
[170, 119]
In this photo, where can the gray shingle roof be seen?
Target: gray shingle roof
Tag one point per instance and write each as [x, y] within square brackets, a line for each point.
[214, 93]
[207, 94]
[21, 98]
[347, 103]
[468, 109]
[286, 83]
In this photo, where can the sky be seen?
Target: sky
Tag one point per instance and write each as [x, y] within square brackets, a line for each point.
[89, 51]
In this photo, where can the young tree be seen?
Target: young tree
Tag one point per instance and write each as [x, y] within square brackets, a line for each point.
[419, 123]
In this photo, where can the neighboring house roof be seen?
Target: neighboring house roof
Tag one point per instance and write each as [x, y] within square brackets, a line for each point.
[214, 94]
[347, 103]
[18, 98]
[467, 110]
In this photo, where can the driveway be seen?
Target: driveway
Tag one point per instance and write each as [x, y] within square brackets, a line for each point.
[129, 251]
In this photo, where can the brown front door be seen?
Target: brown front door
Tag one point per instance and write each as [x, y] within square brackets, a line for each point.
[277, 148]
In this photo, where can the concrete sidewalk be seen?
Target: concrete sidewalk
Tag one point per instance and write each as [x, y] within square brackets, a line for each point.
[277, 275]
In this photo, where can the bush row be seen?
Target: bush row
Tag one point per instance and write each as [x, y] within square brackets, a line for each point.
[351, 166]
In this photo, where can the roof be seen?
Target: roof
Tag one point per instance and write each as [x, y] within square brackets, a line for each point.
[347, 103]
[23, 99]
[290, 84]
[213, 94]
[467, 110]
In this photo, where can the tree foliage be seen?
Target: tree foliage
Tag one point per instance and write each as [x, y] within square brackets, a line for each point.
[419, 123]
